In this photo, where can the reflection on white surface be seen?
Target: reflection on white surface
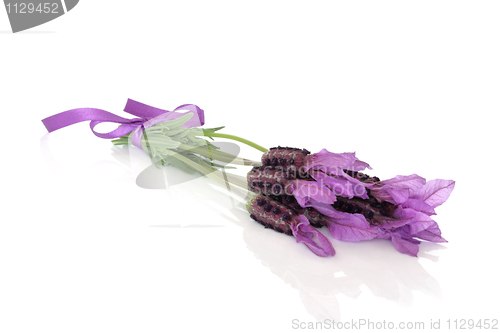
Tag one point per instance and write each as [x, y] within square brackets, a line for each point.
[374, 265]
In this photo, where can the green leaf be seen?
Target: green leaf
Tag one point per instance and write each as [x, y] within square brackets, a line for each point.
[179, 164]
[210, 145]
[171, 124]
[211, 130]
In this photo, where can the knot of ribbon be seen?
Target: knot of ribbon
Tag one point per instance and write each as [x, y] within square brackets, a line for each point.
[148, 116]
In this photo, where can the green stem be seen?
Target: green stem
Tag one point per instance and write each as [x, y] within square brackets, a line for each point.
[124, 139]
[236, 138]
[218, 155]
[120, 141]
[204, 151]
[217, 175]
[222, 177]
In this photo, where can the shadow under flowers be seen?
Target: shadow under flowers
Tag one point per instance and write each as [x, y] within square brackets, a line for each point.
[374, 264]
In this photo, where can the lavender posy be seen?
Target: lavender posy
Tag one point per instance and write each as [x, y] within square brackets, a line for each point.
[296, 192]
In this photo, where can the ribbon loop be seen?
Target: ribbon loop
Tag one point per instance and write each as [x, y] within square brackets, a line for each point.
[148, 116]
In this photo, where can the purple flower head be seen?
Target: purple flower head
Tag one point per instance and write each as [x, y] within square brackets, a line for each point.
[335, 164]
[415, 201]
[398, 209]
[345, 226]
[329, 189]
[270, 180]
[272, 214]
[335, 171]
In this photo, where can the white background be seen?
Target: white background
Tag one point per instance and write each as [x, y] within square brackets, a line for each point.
[412, 87]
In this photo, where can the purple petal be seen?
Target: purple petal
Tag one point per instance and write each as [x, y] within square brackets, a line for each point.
[404, 213]
[384, 234]
[435, 192]
[359, 186]
[398, 189]
[420, 223]
[412, 182]
[326, 209]
[345, 226]
[404, 233]
[417, 221]
[404, 246]
[312, 238]
[305, 191]
[390, 194]
[396, 195]
[388, 223]
[333, 163]
[411, 240]
[431, 234]
[351, 228]
[340, 185]
[358, 165]
[419, 205]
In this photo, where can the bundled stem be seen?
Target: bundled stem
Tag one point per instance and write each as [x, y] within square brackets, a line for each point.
[223, 178]
[236, 138]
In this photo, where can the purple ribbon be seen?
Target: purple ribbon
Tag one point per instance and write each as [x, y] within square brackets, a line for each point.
[149, 116]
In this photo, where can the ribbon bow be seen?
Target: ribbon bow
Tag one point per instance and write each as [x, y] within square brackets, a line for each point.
[149, 116]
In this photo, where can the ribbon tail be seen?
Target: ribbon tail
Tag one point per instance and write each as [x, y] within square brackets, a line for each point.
[96, 116]
[74, 116]
[142, 110]
[150, 112]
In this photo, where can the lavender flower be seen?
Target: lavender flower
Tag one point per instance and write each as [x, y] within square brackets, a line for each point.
[414, 201]
[321, 176]
[399, 209]
[331, 191]
[272, 214]
[333, 170]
